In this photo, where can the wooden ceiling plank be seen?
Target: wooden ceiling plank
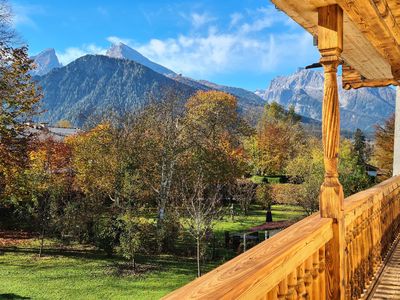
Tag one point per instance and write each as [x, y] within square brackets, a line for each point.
[358, 51]
[364, 14]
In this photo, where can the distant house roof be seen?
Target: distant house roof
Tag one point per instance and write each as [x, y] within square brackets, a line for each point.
[371, 168]
[57, 133]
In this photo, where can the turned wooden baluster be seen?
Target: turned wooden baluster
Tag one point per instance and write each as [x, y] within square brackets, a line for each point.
[301, 287]
[308, 277]
[330, 44]
[315, 275]
[322, 275]
[273, 294]
[349, 272]
[282, 289]
[292, 283]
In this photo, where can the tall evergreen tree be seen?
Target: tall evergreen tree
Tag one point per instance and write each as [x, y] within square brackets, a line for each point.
[360, 147]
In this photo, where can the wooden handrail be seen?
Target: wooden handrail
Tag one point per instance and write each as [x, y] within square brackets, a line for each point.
[283, 262]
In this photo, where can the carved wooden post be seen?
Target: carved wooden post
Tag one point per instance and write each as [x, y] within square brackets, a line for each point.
[396, 150]
[330, 44]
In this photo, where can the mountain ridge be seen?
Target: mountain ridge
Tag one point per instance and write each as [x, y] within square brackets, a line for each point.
[95, 84]
[361, 108]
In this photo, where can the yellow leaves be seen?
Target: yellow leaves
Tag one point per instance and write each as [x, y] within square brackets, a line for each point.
[94, 159]
[38, 159]
[64, 124]
[210, 98]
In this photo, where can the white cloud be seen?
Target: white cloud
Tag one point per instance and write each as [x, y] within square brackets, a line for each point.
[73, 53]
[223, 53]
[235, 19]
[23, 14]
[243, 47]
[117, 40]
[262, 18]
[199, 20]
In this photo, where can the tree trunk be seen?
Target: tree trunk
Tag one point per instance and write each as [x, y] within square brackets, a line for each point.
[41, 241]
[133, 264]
[268, 216]
[198, 257]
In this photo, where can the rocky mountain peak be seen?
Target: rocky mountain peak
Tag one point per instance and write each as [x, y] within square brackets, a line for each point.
[122, 51]
[362, 108]
[45, 61]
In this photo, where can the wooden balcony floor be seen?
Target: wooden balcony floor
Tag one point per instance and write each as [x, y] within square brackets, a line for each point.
[388, 285]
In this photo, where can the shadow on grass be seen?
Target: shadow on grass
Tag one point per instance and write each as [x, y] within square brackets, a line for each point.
[114, 266]
[12, 296]
[89, 254]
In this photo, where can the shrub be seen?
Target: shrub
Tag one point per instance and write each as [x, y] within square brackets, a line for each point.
[106, 232]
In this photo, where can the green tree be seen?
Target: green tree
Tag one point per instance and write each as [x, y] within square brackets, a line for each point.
[200, 207]
[360, 147]
[308, 169]
[134, 237]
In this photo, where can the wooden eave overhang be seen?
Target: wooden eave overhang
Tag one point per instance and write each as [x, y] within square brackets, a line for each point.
[371, 37]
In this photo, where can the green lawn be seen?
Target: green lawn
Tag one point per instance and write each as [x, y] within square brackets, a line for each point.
[256, 216]
[85, 274]
[80, 277]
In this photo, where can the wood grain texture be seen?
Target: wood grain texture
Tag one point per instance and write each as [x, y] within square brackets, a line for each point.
[330, 44]
[369, 33]
[352, 79]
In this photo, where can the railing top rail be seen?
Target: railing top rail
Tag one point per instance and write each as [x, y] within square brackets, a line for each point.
[358, 203]
[261, 268]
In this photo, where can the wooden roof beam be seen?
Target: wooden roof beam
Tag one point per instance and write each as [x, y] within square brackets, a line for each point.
[366, 15]
[385, 13]
[352, 79]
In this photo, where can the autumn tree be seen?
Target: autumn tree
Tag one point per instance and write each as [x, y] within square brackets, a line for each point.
[243, 192]
[50, 182]
[266, 199]
[278, 140]
[64, 124]
[19, 99]
[7, 34]
[384, 144]
[214, 131]
[161, 126]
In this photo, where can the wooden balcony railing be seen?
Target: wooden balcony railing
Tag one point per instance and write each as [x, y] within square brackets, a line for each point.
[372, 219]
[291, 264]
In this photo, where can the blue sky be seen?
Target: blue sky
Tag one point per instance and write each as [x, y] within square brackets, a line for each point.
[243, 43]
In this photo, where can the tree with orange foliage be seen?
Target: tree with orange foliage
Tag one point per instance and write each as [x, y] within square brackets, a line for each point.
[384, 145]
[50, 179]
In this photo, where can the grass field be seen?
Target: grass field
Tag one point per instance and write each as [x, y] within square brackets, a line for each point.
[25, 276]
[85, 274]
